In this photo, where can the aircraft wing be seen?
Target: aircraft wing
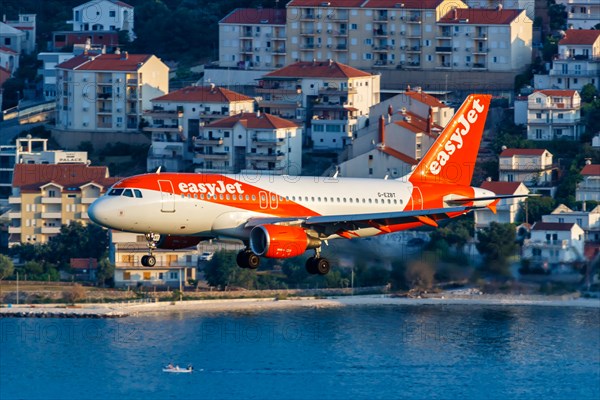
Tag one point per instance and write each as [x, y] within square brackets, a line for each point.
[341, 224]
[464, 200]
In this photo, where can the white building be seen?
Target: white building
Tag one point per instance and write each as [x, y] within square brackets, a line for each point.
[103, 15]
[176, 118]
[9, 60]
[527, 5]
[506, 209]
[589, 221]
[108, 92]
[581, 14]
[533, 167]
[589, 188]
[48, 71]
[332, 99]
[252, 38]
[174, 268]
[576, 64]
[11, 38]
[23, 42]
[554, 114]
[554, 246]
[250, 142]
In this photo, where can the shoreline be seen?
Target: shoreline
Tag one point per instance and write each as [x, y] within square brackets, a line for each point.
[121, 310]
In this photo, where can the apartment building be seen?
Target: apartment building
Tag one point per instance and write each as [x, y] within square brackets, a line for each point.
[589, 188]
[331, 99]
[506, 209]
[576, 64]
[108, 92]
[253, 38]
[250, 143]
[554, 114]
[581, 14]
[176, 119]
[589, 221]
[174, 268]
[103, 15]
[527, 5]
[400, 131]
[45, 197]
[554, 246]
[19, 35]
[48, 71]
[533, 167]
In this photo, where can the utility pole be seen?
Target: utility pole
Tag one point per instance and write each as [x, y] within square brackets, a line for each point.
[17, 287]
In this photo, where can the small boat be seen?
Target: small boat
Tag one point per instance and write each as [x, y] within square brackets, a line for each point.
[178, 369]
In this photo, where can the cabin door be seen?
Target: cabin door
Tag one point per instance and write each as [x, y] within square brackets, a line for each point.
[167, 196]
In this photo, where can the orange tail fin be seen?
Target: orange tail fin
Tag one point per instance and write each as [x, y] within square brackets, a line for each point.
[451, 158]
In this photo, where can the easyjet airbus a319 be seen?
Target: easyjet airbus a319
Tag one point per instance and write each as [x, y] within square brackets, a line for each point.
[283, 216]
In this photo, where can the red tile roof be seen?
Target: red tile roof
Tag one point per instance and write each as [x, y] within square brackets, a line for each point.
[254, 121]
[4, 75]
[418, 125]
[425, 98]
[332, 3]
[255, 16]
[522, 152]
[580, 36]
[318, 69]
[501, 187]
[30, 177]
[407, 4]
[7, 50]
[122, 4]
[204, 94]
[480, 16]
[84, 263]
[395, 153]
[106, 62]
[552, 226]
[591, 169]
[557, 92]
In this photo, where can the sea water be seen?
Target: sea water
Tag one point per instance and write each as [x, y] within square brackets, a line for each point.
[362, 352]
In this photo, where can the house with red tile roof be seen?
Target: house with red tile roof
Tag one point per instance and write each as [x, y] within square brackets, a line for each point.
[506, 209]
[588, 220]
[108, 92]
[533, 167]
[47, 196]
[331, 99]
[84, 269]
[581, 14]
[19, 35]
[589, 188]
[103, 15]
[176, 118]
[253, 38]
[576, 63]
[555, 247]
[554, 114]
[250, 143]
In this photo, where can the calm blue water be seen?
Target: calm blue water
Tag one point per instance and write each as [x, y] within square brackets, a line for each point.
[442, 352]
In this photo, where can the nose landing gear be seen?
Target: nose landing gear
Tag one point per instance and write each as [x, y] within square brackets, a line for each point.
[152, 239]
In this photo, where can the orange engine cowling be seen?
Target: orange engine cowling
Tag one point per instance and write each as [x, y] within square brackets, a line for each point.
[177, 242]
[280, 241]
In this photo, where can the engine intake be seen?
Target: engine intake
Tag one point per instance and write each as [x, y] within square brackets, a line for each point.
[177, 242]
[281, 241]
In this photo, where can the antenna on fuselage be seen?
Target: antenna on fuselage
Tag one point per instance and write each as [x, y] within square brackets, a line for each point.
[158, 169]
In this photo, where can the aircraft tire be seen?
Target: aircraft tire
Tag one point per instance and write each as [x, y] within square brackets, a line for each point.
[311, 266]
[322, 266]
[151, 261]
[241, 259]
[145, 261]
[253, 260]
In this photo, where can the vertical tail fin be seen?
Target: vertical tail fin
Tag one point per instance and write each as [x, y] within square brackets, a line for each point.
[451, 158]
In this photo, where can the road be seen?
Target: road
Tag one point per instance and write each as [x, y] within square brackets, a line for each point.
[11, 128]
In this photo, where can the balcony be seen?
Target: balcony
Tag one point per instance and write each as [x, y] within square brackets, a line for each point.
[307, 17]
[132, 82]
[481, 51]
[210, 141]
[164, 128]
[279, 51]
[414, 49]
[266, 157]
[414, 19]
[14, 200]
[51, 215]
[51, 200]
[268, 142]
[88, 200]
[161, 114]
[307, 47]
[223, 156]
[84, 215]
[341, 32]
[307, 32]
[14, 215]
[380, 33]
[341, 47]
[50, 230]
[443, 49]
[14, 229]
[332, 91]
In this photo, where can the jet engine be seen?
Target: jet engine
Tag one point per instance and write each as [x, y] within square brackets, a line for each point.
[281, 241]
[177, 242]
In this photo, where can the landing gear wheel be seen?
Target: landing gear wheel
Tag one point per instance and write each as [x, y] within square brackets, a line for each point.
[322, 266]
[151, 261]
[311, 266]
[247, 259]
[145, 261]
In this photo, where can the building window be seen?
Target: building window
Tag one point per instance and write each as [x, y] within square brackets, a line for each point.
[112, 13]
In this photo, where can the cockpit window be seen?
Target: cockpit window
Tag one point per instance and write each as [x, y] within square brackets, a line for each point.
[115, 192]
[128, 193]
[138, 193]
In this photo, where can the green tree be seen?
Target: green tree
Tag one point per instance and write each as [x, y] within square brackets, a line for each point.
[222, 271]
[533, 208]
[7, 267]
[106, 272]
[589, 93]
[497, 243]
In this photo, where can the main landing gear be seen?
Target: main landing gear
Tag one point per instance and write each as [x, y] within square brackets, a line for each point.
[317, 264]
[247, 259]
[150, 260]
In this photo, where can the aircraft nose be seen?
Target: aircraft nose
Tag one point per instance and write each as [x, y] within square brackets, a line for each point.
[99, 212]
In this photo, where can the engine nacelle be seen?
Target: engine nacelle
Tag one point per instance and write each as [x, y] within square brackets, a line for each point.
[280, 241]
[177, 242]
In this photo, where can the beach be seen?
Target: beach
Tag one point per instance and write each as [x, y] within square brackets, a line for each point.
[132, 309]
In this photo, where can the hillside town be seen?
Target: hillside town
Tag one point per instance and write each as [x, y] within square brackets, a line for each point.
[355, 88]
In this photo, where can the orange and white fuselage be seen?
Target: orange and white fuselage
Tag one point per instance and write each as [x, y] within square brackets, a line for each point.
[282, 216]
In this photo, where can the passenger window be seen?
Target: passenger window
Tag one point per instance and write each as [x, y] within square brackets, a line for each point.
[138, 193]
[227, 197]
[195, 195]
[128, 193]
[115, 192]
[201, 197]
[253, 198]
[233, 197]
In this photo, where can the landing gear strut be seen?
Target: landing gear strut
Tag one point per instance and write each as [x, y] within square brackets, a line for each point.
[150, 260]
[247, 259]
[317, 264]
